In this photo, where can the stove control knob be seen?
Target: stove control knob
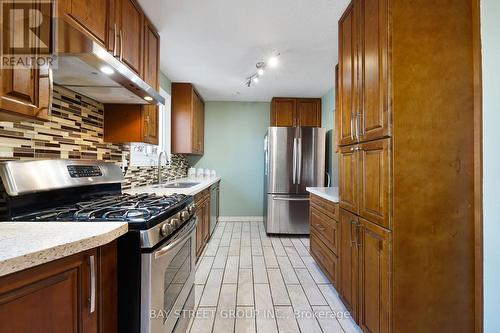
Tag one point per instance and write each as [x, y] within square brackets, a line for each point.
[166, 229]
[190, 209]
[184, 215]
[175, 223]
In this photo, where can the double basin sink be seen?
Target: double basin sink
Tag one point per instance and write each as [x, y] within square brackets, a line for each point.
[177, 185]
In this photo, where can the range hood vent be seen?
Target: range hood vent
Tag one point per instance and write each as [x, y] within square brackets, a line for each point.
[77, 67]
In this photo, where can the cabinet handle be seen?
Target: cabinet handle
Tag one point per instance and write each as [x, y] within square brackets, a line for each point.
[319, 226]
[354, 241]
[115, 41]
[358, 238]
[352, 126]
[92, 284]
[121, 45]
[356, 116]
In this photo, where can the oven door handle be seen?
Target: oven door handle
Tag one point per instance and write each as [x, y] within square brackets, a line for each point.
[189, 228]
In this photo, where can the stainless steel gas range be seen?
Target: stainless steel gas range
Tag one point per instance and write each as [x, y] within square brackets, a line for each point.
[156, 258]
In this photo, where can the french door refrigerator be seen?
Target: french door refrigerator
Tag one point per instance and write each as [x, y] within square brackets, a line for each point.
[294, 159]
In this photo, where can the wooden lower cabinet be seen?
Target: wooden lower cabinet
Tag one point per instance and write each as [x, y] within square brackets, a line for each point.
[325, 257]
[348, 277]
[374, 277]
[56, 297]
[202, 211]
[365, 271]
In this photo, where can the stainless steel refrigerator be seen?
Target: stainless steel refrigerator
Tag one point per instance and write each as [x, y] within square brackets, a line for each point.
[294, 159]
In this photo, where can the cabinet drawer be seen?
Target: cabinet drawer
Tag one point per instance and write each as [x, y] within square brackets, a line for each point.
[326, 227]
[325, 258]
[327, 207]
[201, 196]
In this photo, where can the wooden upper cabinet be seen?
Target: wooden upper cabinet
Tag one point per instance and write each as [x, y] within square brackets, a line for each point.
[25, 92]
[374, 181]
[373, 116]
[129, 18]
[309, 112]
[90, 15]
[188, 120]
[337, 122]
[348, 81]
[363, 83]
[283, 112]
[348, 277]
[151, 55]
[131, 123]
[374, 277]
[348, 179]
[290, 112]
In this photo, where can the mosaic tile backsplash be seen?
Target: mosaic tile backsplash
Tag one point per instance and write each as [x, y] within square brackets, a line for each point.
[75, 130]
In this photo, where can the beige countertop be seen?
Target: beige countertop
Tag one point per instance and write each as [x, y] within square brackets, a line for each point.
[27, 244]
[328, 193]
[203, 184]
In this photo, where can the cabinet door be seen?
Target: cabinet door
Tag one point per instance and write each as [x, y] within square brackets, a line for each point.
[197, 124]
[283, 112]
[348, 94]
[130, 19]
[308, 112]
[206, 220]
[200, 241]
[150, 123]
[26, 92]
[54, 297]
[348, 178]
[373, 120]
[373, 180]
[91, 15]
[348, 281]
[151, 55]
[375, 273]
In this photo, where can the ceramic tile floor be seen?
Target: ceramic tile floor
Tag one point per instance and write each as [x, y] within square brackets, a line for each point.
[247, 281]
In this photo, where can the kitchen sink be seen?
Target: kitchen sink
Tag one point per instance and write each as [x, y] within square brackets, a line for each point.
[177, 185]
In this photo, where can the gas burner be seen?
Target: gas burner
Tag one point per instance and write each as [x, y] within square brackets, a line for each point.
[135, 209]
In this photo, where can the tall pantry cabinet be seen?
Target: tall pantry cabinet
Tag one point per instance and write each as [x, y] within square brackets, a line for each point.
[406, 161]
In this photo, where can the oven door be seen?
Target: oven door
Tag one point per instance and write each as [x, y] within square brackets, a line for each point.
[166, 280]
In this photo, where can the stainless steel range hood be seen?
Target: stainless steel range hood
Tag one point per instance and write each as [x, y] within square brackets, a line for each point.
[78, 64]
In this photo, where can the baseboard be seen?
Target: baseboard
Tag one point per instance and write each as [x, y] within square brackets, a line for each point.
[241, 218]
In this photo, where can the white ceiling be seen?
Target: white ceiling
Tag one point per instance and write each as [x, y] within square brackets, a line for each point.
[215, 44]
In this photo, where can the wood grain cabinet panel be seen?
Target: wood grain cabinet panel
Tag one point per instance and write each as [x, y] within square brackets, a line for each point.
[348, 74]
[325, 257]
[55, 297]
[151, 55]
[289, 112]
[348, 178]
[407, 166]
[284, 112]
[374, 181]
[131, 123]
[348, 277]
[91, 15]
[373, 116]
[308, 112]
[326, 228]
[130, 20]
[188, 120]
[374, 271]
[202, 203]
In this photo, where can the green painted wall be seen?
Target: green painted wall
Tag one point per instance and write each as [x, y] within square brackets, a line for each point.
[234, 140]
[328, 122]
[490, 34]
[165, 83]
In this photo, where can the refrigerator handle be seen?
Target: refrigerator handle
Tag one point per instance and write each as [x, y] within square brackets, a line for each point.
[294, 164]
[299, 160]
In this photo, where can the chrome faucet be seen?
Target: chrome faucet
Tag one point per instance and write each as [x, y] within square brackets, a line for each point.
[162, 153]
